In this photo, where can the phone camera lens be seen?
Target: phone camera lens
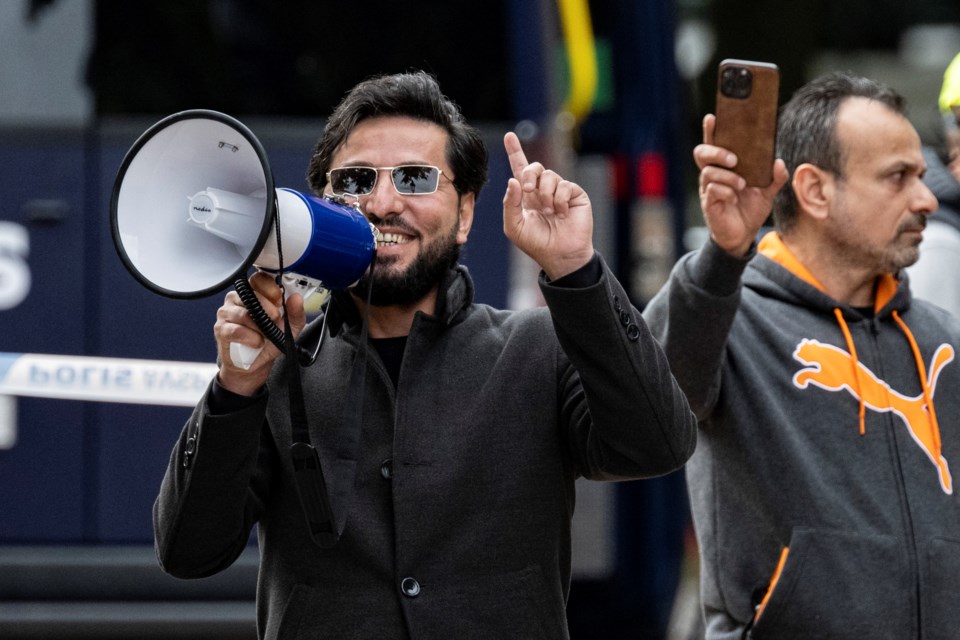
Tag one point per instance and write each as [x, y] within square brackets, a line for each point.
[736, 82]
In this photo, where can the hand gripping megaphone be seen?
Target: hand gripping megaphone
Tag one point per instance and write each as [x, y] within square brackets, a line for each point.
[194, 207]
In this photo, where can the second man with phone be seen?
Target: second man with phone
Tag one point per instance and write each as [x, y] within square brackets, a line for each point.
[828, 398]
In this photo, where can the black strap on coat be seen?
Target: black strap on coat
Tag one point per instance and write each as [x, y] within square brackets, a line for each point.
[324, 525]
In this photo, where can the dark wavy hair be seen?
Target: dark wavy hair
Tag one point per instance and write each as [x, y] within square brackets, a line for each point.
[807, 130]
[415, 95]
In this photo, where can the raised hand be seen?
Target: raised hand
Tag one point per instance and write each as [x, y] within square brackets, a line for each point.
[733, 212]
[548, 218]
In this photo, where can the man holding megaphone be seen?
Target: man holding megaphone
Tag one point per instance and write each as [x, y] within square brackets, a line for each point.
[448, 434]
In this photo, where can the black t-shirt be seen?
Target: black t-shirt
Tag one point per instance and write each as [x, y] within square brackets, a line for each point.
[391, 352]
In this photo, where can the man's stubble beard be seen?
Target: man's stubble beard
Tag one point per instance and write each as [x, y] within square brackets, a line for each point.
[849, 247]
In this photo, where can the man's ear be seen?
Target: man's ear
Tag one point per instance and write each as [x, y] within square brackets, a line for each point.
[465, 216]
[814, 189]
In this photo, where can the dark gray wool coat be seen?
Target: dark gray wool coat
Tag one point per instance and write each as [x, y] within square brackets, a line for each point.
[495, 414]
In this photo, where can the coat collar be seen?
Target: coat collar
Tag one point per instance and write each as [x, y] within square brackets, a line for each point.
[455, 296]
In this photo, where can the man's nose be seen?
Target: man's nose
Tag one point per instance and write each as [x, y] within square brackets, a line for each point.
[384, 199]
[926, 202]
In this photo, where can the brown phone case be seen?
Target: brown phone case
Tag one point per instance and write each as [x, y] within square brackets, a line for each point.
[747, 101]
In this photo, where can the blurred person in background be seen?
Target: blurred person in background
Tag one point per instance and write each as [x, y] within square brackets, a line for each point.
[474, 424]
[936, 275]
[828, 397]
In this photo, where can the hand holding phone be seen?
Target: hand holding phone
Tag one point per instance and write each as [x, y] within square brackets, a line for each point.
[747, 101]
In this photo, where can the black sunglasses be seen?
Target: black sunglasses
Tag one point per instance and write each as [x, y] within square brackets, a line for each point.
[409, 179]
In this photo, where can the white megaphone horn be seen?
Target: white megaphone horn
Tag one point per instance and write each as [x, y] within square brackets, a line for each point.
[194, 207]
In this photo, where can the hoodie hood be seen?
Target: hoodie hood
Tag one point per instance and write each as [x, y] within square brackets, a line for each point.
[944, 186]
[891, 294]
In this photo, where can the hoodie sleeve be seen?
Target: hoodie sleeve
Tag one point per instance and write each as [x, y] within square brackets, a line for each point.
[691, 317]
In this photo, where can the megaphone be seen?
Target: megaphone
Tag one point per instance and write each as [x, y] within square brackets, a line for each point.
[194, 208]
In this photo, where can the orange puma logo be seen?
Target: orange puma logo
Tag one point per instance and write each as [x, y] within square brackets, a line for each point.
[831, 368]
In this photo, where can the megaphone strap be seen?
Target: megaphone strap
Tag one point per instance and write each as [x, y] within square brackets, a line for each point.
[324, 523]
[308, 471]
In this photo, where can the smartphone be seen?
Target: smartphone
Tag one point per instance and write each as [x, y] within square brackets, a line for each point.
[747, 99]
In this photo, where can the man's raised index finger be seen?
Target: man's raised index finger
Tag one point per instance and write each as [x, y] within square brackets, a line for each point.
[518, 160]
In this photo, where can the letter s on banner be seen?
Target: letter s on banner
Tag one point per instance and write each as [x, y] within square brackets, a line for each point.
[14, 271]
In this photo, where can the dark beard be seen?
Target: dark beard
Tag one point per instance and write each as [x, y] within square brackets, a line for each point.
[409, 287]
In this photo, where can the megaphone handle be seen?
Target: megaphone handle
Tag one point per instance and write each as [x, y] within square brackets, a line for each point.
[243, 356]
[269, 329]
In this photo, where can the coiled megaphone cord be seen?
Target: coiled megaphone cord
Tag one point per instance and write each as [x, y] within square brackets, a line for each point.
[268, 327]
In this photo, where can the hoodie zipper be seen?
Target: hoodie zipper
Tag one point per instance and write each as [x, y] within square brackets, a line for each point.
[909, 526]
[906, 514]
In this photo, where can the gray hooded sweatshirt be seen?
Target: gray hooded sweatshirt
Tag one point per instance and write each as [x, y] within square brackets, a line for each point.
[823, 484]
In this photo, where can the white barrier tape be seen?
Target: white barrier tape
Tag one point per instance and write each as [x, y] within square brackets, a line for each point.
[8, 422]
[160, 382]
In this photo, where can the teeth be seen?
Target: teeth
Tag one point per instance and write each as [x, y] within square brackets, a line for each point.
[392, 238]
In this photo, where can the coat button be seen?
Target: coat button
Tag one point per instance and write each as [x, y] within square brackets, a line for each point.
[616, 304]
[188, 450]
[625, 318]
[386, 469]
[633, 333]
[410, 587]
